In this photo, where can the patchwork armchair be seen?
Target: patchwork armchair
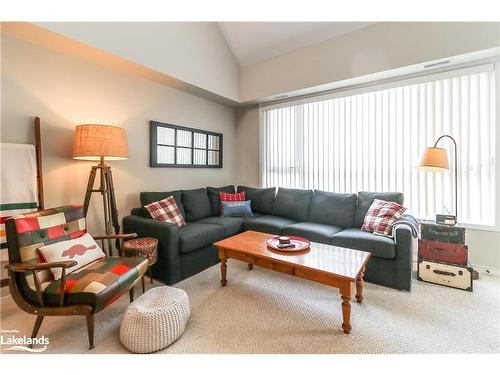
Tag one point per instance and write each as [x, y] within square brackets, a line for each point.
[84, 291]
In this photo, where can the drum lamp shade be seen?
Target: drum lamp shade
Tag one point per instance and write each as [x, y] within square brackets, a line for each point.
[434, 159]
[93, 142]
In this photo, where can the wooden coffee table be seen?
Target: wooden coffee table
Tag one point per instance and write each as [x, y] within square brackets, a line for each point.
[331, 265]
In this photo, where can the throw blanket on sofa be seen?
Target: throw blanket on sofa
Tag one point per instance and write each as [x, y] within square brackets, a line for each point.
[18, 185]
[410, 221]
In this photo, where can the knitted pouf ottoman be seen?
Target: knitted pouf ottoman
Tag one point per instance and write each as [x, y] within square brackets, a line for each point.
[155, 320]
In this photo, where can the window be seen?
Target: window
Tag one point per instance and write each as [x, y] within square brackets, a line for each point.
[178, 146]
[372, 139]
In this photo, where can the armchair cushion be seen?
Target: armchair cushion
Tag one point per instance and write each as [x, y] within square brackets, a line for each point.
[83, 250]
[98, 284]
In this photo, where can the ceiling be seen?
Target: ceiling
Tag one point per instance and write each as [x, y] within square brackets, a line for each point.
[252, 42]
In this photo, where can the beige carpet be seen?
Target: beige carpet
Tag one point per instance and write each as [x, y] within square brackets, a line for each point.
[261, 311]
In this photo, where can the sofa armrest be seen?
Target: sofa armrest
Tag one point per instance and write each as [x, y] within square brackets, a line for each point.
[404, 255]
[167, 268]
[402, 235]
[138, 211]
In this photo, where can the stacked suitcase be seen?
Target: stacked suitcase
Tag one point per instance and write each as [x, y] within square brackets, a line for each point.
[443, 256]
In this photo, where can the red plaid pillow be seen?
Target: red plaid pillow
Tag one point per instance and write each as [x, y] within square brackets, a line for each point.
[228, 197]
[381, 216]
[166, 210]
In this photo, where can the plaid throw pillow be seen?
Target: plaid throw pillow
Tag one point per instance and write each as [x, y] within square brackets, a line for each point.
[166, 210]
[228, 197]
[381, 216]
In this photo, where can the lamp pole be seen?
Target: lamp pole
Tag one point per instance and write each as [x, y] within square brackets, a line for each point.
[456, 169]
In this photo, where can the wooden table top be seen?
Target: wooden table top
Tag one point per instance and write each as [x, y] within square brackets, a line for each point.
[339, 261]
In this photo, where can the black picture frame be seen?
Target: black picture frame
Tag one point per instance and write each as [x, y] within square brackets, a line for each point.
[153, 146]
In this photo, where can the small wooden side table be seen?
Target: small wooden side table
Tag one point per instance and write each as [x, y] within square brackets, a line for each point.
[146, 248]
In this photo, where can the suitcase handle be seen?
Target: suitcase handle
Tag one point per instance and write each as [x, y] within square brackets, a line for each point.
[445, 273]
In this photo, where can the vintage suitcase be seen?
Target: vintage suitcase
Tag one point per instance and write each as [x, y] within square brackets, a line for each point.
[443, 252]
[445, 274]
[444, 233]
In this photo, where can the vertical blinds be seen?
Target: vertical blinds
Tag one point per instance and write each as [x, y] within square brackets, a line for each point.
[373, 140]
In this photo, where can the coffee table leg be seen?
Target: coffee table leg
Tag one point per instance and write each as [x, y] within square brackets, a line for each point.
[359, 287]
[250, 266]
[223, 270]
[345, 293]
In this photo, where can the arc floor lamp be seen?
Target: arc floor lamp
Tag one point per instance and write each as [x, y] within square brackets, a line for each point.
[101, 143]
[436, 159]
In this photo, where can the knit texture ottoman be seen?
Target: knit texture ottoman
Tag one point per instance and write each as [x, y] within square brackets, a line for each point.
[155, 320]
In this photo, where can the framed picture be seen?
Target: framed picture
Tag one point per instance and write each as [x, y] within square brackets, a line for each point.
[174, 146]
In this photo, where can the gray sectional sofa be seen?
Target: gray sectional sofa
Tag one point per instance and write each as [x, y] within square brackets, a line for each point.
[330, 218]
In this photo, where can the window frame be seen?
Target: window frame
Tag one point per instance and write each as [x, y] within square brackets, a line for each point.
[153, 145]
[381, 84]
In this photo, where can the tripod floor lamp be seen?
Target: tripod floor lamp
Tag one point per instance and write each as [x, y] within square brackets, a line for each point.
[436, 159]
[101, 143]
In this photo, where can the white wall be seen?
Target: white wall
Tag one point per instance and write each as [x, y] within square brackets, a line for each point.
[484, 246]
[247, 140]
[373, 49]
[65, 91]
[194, 52]
[376, 48]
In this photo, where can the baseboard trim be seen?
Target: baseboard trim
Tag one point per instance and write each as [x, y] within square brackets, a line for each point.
[483, 270]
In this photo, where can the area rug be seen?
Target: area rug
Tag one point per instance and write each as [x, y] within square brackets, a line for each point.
[261, 311]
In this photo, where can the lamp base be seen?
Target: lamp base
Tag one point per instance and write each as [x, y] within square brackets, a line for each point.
[106, 189]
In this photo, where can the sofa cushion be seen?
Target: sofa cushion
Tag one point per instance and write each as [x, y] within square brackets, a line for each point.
[255, 215]
[292, 203]
[196, 204]
[195, 236]
[314, 232]
[231, 225]
[148, 197]
[335, 209]
[353, 238]
[365, 200]
[262, 199]
[214, 196]
[267, 224]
